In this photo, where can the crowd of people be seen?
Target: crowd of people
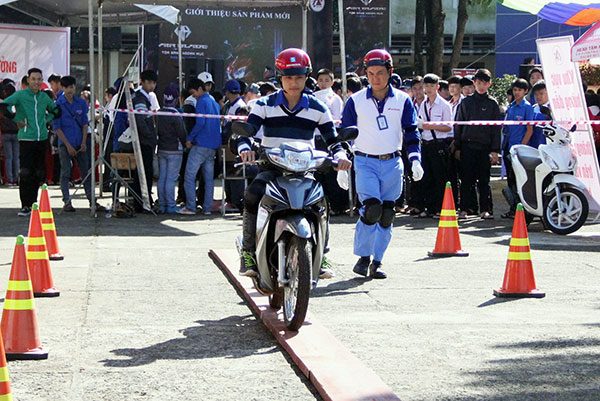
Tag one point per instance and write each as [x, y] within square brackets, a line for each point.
[45, 137]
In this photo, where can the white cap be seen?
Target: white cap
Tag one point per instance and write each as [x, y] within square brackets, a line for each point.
[205, 77]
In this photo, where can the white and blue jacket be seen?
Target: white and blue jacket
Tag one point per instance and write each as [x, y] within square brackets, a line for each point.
[363, 109]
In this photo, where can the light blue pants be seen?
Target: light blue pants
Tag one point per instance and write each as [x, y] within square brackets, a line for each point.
[382, 180]
[11, 151]
[200, 158]
[169, 165]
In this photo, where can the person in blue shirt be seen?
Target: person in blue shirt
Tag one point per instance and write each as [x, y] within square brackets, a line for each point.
[203, 142]
[519, 110]
[73, 140]
[541, 111]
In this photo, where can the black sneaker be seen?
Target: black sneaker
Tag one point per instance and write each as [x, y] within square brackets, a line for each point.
[248, 265]
[362, 266]
[375, 270]
[24, 212]
[68, 207]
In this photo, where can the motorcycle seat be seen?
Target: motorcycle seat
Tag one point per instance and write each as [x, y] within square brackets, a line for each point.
[529, 157]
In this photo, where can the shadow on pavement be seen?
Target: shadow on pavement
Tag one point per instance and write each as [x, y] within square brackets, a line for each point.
[495, 301]
[552, 370]
[341, 288]
[230, 337]
[80, 224]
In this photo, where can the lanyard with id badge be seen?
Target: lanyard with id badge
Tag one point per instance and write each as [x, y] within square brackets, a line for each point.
[382, 123]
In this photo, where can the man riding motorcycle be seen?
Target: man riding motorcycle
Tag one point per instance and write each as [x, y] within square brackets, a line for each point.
[287, 115]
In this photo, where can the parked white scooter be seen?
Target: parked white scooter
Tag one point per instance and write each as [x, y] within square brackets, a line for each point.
[546, 182]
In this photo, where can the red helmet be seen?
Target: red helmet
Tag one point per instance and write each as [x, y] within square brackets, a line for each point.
[293, 62]
[378, 57]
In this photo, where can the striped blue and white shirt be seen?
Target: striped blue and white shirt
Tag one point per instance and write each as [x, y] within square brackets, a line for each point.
[281, 125]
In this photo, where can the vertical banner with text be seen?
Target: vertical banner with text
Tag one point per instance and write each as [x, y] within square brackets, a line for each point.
[567, 101]
[367, 26]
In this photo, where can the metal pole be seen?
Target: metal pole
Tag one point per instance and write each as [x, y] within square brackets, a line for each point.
[100, 95]
[180, 56]
[92, 106]
[342, 47]
[304, 25]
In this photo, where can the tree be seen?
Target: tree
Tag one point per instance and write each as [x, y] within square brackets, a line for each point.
[419, 34]
[435, 18]
[461, 25]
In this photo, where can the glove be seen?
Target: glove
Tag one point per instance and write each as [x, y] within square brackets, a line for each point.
[343, 179]
[417, 170]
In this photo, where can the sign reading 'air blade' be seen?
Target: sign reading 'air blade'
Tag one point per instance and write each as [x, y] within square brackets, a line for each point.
[588, 45]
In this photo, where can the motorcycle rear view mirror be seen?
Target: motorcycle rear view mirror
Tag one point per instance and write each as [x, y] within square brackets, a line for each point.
[348, 134]
[242, 128]
[573, 128]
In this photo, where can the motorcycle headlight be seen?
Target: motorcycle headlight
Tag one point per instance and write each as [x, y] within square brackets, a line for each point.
[298, 161]
[548, 160]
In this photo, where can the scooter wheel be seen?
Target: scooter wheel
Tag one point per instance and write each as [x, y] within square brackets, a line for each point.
[575, 214]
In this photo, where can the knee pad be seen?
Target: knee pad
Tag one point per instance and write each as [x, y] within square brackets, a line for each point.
[372, 211]
[387, 214]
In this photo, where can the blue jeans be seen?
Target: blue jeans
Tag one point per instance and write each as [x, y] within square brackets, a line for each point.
[66, 165]
[11, 151]
[168, 166]
[382, 180]
[200, 158]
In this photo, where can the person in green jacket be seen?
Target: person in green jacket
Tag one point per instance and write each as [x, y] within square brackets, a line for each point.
[34, 109]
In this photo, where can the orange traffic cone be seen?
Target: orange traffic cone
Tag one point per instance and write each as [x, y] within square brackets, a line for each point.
[48, 225]
[518, 277]
[19, 323]
[37, 258]
[5, 394]
[448, 240]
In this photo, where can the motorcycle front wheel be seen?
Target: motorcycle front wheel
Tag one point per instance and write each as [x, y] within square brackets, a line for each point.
[296, 292]
[575, 212]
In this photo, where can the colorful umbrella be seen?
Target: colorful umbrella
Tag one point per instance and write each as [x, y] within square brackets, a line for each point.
[570, 12]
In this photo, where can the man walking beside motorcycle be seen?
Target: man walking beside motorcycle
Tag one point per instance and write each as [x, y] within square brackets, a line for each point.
[287, 115]
[386, 120]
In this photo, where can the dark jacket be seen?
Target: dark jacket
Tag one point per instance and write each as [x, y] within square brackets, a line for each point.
[144, 122]
[171, 132]
[473, 108]
[189, 121]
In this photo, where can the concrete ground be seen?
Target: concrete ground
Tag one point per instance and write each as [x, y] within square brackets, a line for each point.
[145, 315]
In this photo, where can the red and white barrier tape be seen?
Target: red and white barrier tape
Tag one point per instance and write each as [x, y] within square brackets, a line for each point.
[477, 123]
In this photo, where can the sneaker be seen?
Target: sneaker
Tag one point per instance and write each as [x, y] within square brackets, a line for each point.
[24, 212]
[99, 208]
[186, 211]
[326, 270]
[68, 207]
[375, 270]
[362, 266]
[487, 216]
[248, 267]
[463, 215]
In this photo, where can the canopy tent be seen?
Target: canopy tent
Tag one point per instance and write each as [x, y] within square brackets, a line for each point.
[570, 12]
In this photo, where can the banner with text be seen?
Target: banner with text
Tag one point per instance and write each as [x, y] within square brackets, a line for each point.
[231, 43]
[26, 46]
[567, 101]
[367, 26]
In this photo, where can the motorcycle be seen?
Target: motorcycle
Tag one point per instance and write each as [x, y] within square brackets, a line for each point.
[546, 184]
[292, 224]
